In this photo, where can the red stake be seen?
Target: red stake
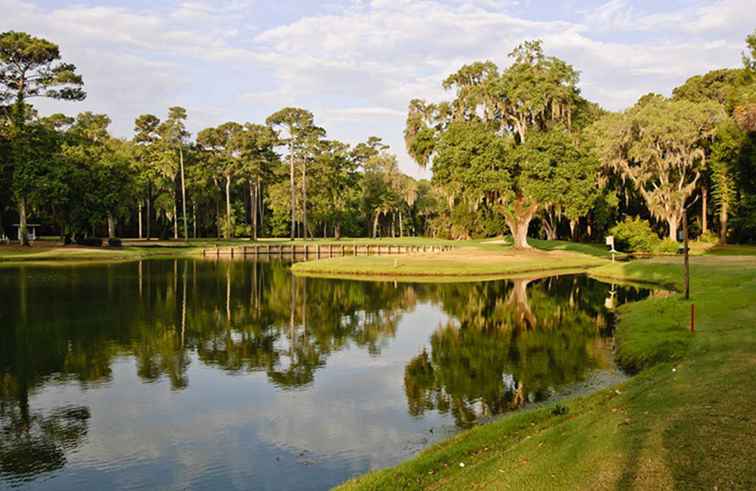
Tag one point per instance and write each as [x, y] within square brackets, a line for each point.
[693, 318]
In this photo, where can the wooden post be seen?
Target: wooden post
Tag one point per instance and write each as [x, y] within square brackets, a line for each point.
[685, 252]
[693, 318]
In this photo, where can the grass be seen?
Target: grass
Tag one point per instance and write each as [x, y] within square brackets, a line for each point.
[483, 261]
[50, 249]
[686, 421]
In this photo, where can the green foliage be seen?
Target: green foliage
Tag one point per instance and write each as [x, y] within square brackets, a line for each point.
[708, 237]
[634, 235]
[659, 145]
[667, 246]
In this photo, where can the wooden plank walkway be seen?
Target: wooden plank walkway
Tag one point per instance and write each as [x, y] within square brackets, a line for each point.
[317, 251]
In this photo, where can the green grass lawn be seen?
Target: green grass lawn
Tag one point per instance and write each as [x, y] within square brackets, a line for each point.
[488, 261]
[50, 249]
[686, 421]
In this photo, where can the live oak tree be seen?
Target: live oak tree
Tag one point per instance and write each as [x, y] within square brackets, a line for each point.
[659, 146]
[30, 67]
[492, 113]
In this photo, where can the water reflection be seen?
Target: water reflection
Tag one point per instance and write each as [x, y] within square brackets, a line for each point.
[488, 348]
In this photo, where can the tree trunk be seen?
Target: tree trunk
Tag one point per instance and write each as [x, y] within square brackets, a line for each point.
[337, 231]
[573, 227]
[228, 233]
[175, 220]
[260, 202]
[304, 199]
[518, 221]
[549, 227]
[375, 225]
[293, 195]
[253, 208]
[673, 222]
[704, 209]
[401, 225]
[149, 208]
[723, 222]
[183, 193]
[23, 229]
[194, 219]
[111, 226]
[139, 205]
[217, 217]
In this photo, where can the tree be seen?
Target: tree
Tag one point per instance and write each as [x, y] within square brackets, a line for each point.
[223, 144]
[255, 145]
[146, 138]
[491, 113]
[561, 173]
[294, 126]
[174, 134]
[30, 67]
[749, 58]
[659, 146]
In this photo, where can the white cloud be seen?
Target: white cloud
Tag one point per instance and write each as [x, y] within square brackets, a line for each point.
[358, 64]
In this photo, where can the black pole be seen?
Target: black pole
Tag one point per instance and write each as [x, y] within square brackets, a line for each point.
[685, 252]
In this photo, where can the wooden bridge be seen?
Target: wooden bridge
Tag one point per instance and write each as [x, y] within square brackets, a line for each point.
[317, 251]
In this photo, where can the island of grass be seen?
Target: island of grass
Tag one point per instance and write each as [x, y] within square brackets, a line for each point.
[686, 421]
[474, 259]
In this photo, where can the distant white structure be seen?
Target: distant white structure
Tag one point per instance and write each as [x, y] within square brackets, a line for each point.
[32, 231]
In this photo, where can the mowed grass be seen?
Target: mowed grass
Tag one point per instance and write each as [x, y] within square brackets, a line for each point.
[487, 261]
[52, 250]
[686, 421]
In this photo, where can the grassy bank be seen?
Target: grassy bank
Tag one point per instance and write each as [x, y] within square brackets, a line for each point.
[686, 421]
[53, 250]
[487, 259]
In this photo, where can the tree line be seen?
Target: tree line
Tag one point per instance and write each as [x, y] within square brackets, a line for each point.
[279, 177]
[521, 149]
[516, 149]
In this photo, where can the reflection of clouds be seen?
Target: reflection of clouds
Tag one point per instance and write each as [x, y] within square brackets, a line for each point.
[232, 430]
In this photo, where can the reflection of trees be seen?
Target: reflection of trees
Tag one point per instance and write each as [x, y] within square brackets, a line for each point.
[511, 342]
[33, 443]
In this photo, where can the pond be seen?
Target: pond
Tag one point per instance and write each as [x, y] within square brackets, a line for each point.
[178, 374]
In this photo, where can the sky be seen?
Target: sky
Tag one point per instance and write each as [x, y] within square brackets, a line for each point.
[356, 64]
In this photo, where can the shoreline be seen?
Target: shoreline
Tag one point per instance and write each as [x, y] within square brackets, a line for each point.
[693, 385]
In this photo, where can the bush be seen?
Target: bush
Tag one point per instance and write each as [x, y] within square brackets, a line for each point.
[709, 237]
[90, 242]
[667, 246]
[114, 243]
[634, 235]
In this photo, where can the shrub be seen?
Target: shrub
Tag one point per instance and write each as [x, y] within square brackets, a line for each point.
[634, 235]
[667, 246]
[709, 237]
[114, 243]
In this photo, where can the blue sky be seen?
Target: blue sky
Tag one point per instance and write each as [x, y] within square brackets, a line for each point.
[357, 63]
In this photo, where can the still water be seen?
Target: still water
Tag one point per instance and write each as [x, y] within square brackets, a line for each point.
[184, 374]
